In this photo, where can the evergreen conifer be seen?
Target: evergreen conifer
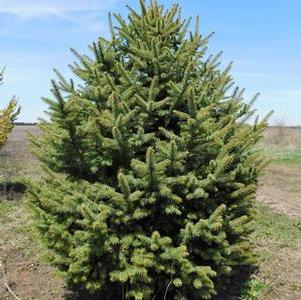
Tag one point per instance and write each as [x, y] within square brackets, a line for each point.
[150, 165]
[7, 116]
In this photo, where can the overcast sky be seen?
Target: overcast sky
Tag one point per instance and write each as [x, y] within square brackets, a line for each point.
[263, 38]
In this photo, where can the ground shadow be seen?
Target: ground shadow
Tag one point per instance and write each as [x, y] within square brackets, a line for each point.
[236, 284]
[12, 190]
[74, 293]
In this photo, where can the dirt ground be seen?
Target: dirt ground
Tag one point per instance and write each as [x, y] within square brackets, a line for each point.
[281, 189]
[22, 269]
[30, 279]
[286, 281]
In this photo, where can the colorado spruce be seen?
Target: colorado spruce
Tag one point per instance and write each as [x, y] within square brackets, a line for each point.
[150, 165]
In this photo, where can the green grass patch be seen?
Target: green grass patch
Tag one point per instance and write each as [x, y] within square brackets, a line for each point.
[254, 289]
[275, 231]
[289, 157]
[15, 225]
[5, 209]
[283, 155]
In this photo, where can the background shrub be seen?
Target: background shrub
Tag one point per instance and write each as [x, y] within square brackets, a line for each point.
[7, 116]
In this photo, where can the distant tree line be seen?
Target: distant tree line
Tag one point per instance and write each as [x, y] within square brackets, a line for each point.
[25, 123]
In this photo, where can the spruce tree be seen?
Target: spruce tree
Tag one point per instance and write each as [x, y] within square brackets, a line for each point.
[150, 165]
[7, 116]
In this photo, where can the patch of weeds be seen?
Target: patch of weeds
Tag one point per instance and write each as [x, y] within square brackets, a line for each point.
[275, 236]
[290, 157]
[253, 289]
[282, 154]
[15, 226]
[5, 208]
[278, 229]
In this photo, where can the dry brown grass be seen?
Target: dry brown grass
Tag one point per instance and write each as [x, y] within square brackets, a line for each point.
[283, 144]
[283, 137]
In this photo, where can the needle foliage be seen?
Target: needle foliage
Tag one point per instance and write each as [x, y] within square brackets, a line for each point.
[150, 165]
[7, 116]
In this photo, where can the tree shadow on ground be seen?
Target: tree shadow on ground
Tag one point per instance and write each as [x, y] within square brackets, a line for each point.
[78, 294]
[236, 284]
[12, 190]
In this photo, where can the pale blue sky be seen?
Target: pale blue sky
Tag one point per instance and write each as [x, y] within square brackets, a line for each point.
[263, 38]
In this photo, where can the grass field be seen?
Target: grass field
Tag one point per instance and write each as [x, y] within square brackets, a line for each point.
[277, 236]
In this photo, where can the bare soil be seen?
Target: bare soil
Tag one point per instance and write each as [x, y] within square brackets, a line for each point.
[21, 264]
[284, 275]
[280, 188]
[17, 147]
